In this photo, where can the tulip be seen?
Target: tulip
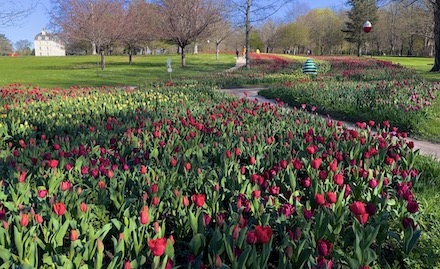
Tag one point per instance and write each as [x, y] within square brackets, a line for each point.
[251, 239]
[22, 176]
[185, 201]
[24, 220]
[83, 207]
[144, 215]
[263, 234]
[412, 207]
[338, 179]
[42, 194]
[74, 234]
[324, 247]
[319, 199]
[157, 246]
[198, 199]
[38, 218]
[331, 197]
[59, 208]
[316, 163]
[65, 185]
[52, 163]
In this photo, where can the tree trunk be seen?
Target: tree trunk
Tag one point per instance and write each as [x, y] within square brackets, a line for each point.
[182, 50]
[196, 48]
[93, 49]
[130, 55]
[102, 59]
[436, 66]
[217, 50]
[248, 33]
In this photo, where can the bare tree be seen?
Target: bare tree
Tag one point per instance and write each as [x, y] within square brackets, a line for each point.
[139, 26]
[13, 11]
[268, 33]
[219, 32]
[186, 21]
[253, 11]
[95, 21]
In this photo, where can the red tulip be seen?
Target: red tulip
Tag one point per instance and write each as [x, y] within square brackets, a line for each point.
[187, 166]
[185, 201]
[311, 150]
[59, 208]
[331, 197]
[143, 169]
[252, 160]
[38, 218]
[74, 234]
[263, 234]
[316, 163]
[173, 162]
[198, 199]
[101, 184]
[154, 188]
[156, 201]
[65, 185]
[237, 151]
[338, 179]
[24, 220]
[228, 154]
[324, 247]
[52, 163]
[358, 208]
[334, 165]
[283, 164]
[83, 207]
[42, 193]
[127, 265]
[412, 207]
[22, 176]
[319, 199]
[157, 246]
[144, 215]
[251, 239]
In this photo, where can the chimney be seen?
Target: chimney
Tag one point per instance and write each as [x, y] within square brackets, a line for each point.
[43, 32]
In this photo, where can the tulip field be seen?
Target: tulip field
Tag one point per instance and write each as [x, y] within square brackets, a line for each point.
[179, 175]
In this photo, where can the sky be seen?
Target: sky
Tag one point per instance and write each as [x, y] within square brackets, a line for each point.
[39, 19]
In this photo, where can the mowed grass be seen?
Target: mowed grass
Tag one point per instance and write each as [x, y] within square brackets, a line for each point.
[69, 71]
[421, 65]
[429, 129]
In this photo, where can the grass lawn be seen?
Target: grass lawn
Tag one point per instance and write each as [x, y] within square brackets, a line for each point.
[421, 65]
[84, 70]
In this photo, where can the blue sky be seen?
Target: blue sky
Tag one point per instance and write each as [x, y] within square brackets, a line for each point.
[39, 19]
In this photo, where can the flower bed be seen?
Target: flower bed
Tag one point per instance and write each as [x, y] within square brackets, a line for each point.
[353, 92]
[176, 176]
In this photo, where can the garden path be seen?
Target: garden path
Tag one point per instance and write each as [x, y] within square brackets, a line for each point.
[426, 147]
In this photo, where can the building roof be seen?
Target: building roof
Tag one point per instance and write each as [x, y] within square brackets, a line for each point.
[47, 36]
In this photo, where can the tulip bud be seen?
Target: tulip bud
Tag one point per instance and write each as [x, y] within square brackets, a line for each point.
[100, 245]
[127, 265]
[74, 235]
[24, 220]
[38, 218]
[83, 207]
[218, 261]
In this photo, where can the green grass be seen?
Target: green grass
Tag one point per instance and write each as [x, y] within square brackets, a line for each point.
[421, 65]
[84, 70]
[429, 129]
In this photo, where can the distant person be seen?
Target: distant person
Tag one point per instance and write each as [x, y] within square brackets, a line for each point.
[237, 53]
[258, 51]
[244, 51]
